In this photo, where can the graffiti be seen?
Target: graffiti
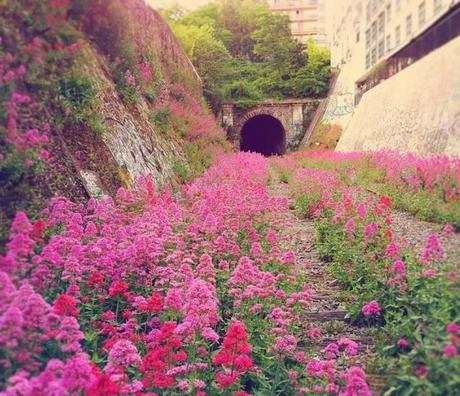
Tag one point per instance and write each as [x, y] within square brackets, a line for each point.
[339, 105]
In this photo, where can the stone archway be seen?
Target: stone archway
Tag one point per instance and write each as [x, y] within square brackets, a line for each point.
[264, 134]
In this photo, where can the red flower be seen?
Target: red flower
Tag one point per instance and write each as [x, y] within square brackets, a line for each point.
[226, 379]
[155, 303]
[162, 357]
[102, 386]
[65, 305]
[386, 201]
[38, 229]
[234, 355]
[95, 279]
[118, 288]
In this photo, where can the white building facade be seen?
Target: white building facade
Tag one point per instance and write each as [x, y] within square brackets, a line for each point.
[308, 18]
[372, 40]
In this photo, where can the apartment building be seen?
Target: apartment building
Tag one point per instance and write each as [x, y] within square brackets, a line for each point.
[308, 18]
[372, 40]
[390, 25]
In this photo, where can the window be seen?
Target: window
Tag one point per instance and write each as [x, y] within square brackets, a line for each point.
[388, 12]
[357, 37]
[409, 25]
[437, 5]
[381, 22]
[368, 38]
[373, 56]
[388, 43]
[397, 36]
[374, 32]
[368, 60]
[421, 13]
[381, 48]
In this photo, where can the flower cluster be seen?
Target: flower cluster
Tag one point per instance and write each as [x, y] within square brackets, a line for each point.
[234, 355]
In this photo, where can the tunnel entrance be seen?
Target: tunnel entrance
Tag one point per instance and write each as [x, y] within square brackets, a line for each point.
[263, 134]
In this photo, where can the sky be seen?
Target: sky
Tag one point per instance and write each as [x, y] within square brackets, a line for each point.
[190, 4]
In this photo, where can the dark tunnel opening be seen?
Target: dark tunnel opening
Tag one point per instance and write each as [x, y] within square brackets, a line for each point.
[263, 134]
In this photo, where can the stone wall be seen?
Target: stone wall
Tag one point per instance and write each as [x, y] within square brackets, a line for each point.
[416, 110]
[294, 115]
[131, 147]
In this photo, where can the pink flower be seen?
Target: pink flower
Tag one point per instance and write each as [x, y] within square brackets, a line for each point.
[402, 343]
[448, 229]
[70, 335]
[371, 309]
[289, 258]
[432, 250]
[331, 351]
[200, 308]
[314, 333]
[450, 351]
[355, 383]
[183, 385]
[370, 229]
[199, 384]
[453, 328]
[285, 344]
[421, 371]
[349, 346]
[123, 354]
[362, 210]
[321, 368]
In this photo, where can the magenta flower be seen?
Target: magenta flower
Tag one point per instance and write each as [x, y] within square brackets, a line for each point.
[450, 351]
[371, 309]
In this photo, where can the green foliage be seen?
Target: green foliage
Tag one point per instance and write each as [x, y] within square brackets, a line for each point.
[245, 53]
[209, 55]
[78, 96]
[181, 170]
[244, 95]
[161, 120]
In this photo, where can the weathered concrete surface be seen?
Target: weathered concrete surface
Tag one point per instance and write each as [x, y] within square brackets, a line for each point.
[295, 116]
[416, 110]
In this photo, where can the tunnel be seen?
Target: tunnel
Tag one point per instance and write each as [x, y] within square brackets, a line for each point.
[263, 134]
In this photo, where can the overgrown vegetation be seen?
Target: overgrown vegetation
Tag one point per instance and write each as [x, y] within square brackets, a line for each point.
[410, 295]
[245, 53]
[48, 94]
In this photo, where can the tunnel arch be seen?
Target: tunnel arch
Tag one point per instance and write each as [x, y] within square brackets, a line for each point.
[264, 134]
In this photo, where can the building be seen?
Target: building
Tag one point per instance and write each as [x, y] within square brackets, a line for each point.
[391, 25]
[307, 18]
[372, 40]
[400, 32]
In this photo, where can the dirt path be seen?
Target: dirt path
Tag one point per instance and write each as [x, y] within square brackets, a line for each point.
[328, 311]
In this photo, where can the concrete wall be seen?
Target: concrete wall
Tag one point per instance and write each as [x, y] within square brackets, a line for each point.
[416, 110]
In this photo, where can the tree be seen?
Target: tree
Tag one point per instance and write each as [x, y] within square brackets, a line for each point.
[209, 55]
[240, 17]
[312, 79]
[274, 43]
[244, 52]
